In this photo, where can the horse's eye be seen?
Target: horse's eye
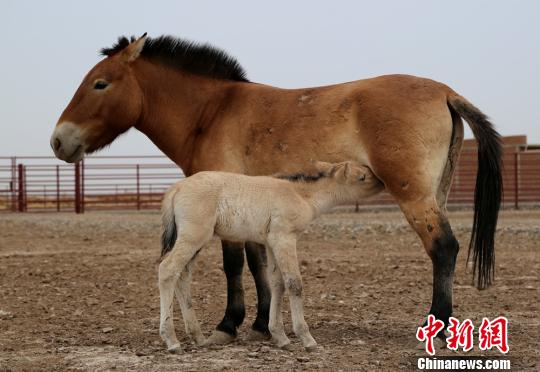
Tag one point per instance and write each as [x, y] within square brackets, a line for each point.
[100, 84]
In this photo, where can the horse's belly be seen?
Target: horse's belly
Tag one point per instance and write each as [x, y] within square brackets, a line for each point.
[238, 228]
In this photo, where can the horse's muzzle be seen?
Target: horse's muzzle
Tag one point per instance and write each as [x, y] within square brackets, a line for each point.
[67, 142]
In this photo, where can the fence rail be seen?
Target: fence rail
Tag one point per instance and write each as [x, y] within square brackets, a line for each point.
[138, 182]
[97, 183]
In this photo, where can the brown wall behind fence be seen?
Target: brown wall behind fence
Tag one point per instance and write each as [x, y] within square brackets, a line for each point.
[138, 182]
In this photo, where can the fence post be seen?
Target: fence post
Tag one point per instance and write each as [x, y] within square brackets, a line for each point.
[58, 188]
[82, 187]
[516, 180]
[13, 183]
[22, 189]
[78, 187]
[138, 187]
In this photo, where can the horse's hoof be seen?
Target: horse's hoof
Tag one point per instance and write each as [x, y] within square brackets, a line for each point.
[287, 346]
[311, 348]
[438, 343]
[200, 341]
[218, 338]
[254, 335]
[175, 349]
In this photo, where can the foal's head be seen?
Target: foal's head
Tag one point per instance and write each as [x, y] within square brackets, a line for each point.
[107, 103]
[346, 173]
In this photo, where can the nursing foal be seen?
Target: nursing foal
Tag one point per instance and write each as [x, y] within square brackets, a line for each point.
[266, 210]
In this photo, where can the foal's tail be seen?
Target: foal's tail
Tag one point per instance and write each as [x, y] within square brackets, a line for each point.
[488, 190]
[169, 235]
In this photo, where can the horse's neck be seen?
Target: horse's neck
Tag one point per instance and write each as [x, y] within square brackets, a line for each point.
[322, 195]
[177, 108]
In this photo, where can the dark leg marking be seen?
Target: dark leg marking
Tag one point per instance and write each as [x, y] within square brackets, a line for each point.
[444, 252]
[256, 258]
[233, 264]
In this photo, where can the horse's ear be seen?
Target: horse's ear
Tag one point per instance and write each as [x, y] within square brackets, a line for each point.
[347, 169]
[322, 166]
[341, 171]
[133, 50]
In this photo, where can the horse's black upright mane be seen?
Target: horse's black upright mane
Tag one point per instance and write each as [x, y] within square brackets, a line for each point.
[199, 59]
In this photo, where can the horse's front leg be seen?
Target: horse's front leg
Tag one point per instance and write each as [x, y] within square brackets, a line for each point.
[256, 258]
[233, 264]
[276, 318]
[283, 249]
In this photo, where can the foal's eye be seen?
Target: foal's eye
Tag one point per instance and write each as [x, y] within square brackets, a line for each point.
[100, 84]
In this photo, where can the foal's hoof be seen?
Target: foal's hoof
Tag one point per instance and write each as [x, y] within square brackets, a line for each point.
[286, 346]
[311, 348]
[175, 349]
[199, 340]
[218, 338]
[254, 335]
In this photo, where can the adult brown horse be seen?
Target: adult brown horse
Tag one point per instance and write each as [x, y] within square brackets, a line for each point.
[195, 103]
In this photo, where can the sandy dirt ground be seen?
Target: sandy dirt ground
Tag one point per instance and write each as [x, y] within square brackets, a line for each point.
[79, 292]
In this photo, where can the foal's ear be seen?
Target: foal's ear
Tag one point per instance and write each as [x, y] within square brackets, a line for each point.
[347, 169]
[341, 171]
[133, 50]
[322, 166]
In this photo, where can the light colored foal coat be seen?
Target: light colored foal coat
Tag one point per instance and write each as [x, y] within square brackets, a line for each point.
[267, 210]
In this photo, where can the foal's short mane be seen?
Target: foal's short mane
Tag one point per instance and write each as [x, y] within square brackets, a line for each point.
[302, 177]
[199, 59]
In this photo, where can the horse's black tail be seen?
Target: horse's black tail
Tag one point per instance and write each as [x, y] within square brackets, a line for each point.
[169, 234]
[488, 190]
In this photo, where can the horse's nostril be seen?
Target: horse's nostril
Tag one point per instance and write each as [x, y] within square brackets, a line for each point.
[57, 144]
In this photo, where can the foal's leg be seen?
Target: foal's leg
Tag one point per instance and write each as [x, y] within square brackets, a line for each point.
[233, 264]
[283, 248]
[183, 294]
[169, 272]
[277, 287]
[431, 224]
[256, 258]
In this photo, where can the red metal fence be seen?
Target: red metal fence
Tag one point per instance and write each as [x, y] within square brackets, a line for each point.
[97, 183]
[138, 182]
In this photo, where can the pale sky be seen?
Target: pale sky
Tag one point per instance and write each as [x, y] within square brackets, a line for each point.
[488, 51]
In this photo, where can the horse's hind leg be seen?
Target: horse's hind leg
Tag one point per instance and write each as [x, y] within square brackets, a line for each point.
[411, 157]
[431, 224]
[183, 294]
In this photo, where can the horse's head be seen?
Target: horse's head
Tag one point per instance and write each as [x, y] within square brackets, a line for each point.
[347, 172]
[107, 103]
